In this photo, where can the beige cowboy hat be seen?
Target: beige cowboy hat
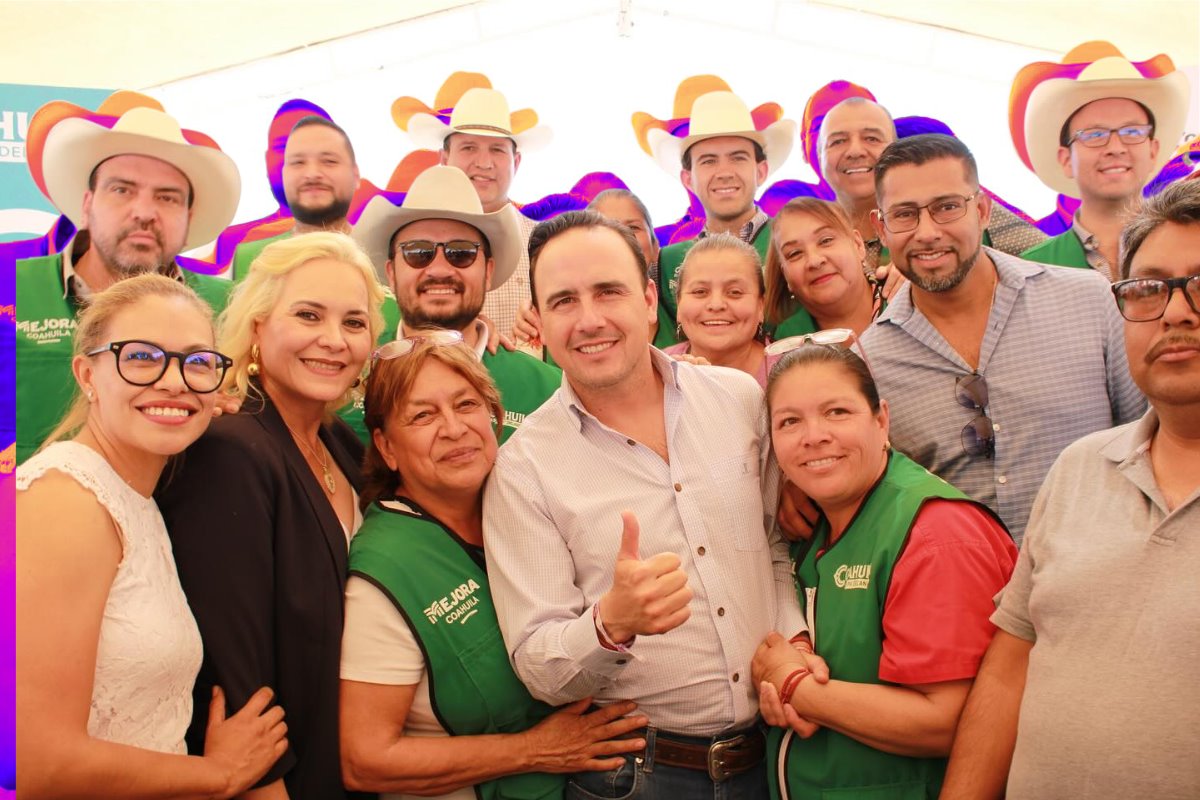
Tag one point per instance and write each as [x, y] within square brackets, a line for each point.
[722, 113]
[467, 103]
[1092, 71]
[440, 192]
[75, 146]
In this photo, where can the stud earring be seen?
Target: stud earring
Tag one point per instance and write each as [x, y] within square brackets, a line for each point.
[252, 367]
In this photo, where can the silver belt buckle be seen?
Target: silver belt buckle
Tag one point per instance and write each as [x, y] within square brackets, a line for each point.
[716, 767]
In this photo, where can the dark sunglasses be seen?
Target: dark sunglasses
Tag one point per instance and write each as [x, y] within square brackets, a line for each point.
[978, 436]
[420, 253]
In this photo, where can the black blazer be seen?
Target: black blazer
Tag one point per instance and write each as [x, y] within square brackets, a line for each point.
[262, 558]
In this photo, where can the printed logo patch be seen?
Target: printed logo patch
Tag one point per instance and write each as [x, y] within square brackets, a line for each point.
[458, 606]
[852, 576]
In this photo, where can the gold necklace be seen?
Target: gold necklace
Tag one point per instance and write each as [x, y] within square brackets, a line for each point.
[330, 484]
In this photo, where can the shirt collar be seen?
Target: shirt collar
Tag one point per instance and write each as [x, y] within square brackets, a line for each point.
[481, 339]
[1091, 248]
[663, 364]
[1133, 443]
[1011, 271]
[748, 231]
[73, 284]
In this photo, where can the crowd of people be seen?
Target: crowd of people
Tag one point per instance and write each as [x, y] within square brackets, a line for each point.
[886, 495]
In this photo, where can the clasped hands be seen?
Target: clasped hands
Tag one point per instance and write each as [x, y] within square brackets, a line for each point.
[775, 660]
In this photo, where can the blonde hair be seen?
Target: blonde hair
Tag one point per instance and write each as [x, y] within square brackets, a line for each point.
[92, 330]
[388, 388]
[778, 302]
[254, 298]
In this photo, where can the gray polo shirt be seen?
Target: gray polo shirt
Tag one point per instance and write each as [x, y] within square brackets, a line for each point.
[1108, 589]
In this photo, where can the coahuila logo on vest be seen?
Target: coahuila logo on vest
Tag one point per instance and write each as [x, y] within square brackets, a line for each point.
[458, 606]
[852, 576]
[47, 331]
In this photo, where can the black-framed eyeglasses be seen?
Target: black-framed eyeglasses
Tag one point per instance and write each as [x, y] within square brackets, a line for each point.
[419, 253]
[979, 435]
[905, 218]
[1146, 299]
[143, 363]
[402, 347]
[1098, 137]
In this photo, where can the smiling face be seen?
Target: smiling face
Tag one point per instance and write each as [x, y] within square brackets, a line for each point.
[319, 175]
[314, 341]
[1164, 354]
[828, 440]
[720, 303]
[138, 215]
[936, 257]
[821, 262]
[595, 313]
[490, 162]
[1117, 171]
[161, 419]
[725, 176]
[441, 439]
[439, 295]
[853, 134]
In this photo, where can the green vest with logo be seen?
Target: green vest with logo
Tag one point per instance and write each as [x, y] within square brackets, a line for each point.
[670, 258]
[1064, 250]
[45, 322]
[442, 592]
[845, 588]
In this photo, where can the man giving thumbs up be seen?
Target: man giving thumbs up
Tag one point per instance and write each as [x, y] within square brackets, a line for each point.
[626, 527]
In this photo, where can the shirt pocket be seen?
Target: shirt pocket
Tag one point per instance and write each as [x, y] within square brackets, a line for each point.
[735, 506]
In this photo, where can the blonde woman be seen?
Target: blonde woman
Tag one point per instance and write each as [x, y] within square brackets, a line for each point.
[262, 511]
[107, 649]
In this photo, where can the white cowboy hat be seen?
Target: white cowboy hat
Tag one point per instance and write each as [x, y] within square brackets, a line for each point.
[75, 146]
[716, 114]
[440, 192]
[480, 111]
[1108, 73]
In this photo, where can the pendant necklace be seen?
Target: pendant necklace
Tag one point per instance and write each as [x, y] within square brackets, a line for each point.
[330, 484]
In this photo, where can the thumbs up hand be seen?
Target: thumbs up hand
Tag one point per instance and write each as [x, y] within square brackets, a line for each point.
[646, 597]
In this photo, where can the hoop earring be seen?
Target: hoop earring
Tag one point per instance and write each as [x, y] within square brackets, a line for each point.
[252, 368]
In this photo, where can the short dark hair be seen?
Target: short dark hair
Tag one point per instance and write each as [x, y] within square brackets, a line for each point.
[452, 134]
[921, 149]
[760, 155]
[313, 119]
[570, 220]
[1064, 135]
[623, 194]
[1178, 203]
[845, 358]
[92, 176]
[487, 246]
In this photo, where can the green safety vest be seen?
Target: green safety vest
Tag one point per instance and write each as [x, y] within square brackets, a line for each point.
[1064, 250]
[246, 252]
[45, 322]
[670, 258]
[441, 590]
[844, 590]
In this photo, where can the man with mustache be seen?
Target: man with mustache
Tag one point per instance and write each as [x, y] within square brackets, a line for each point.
[1089, 687]
[1097, 136]
[319, 174]
[992, 365]
[440, 252]
[139, 194]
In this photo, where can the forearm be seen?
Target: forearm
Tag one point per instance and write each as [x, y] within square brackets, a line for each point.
[987, 734]
[894, 719]
[75, 765]
[430, 766]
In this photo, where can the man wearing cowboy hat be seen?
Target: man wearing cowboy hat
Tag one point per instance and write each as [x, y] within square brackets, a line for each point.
[440, 251]
[723, 159]
[139, 192]
[471, 127]
[1097, 127]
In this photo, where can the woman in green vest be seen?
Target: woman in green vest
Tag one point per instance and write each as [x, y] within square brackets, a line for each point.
[897, 582]
[817, 266]
[430, 705]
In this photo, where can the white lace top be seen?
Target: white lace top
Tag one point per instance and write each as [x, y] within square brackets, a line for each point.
[149, 650]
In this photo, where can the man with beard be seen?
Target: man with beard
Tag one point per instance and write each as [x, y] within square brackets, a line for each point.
[992, 365]
[1089, 686]
[441, 252]
[139, 194]
[319, 176]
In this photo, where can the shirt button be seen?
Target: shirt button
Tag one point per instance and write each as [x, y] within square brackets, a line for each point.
[720, 612]
[622, 661]
[630, 442]
[1002, 480]
[700, 550]
[679, 487]
[995, 426]
[736, 677]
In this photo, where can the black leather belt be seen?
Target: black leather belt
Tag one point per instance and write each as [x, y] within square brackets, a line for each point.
[721, 757]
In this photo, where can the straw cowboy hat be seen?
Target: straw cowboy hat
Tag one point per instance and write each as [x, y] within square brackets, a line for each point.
[1045, 95]
[467, 103]
[440, 192]
[705, 109]
[75, 146]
